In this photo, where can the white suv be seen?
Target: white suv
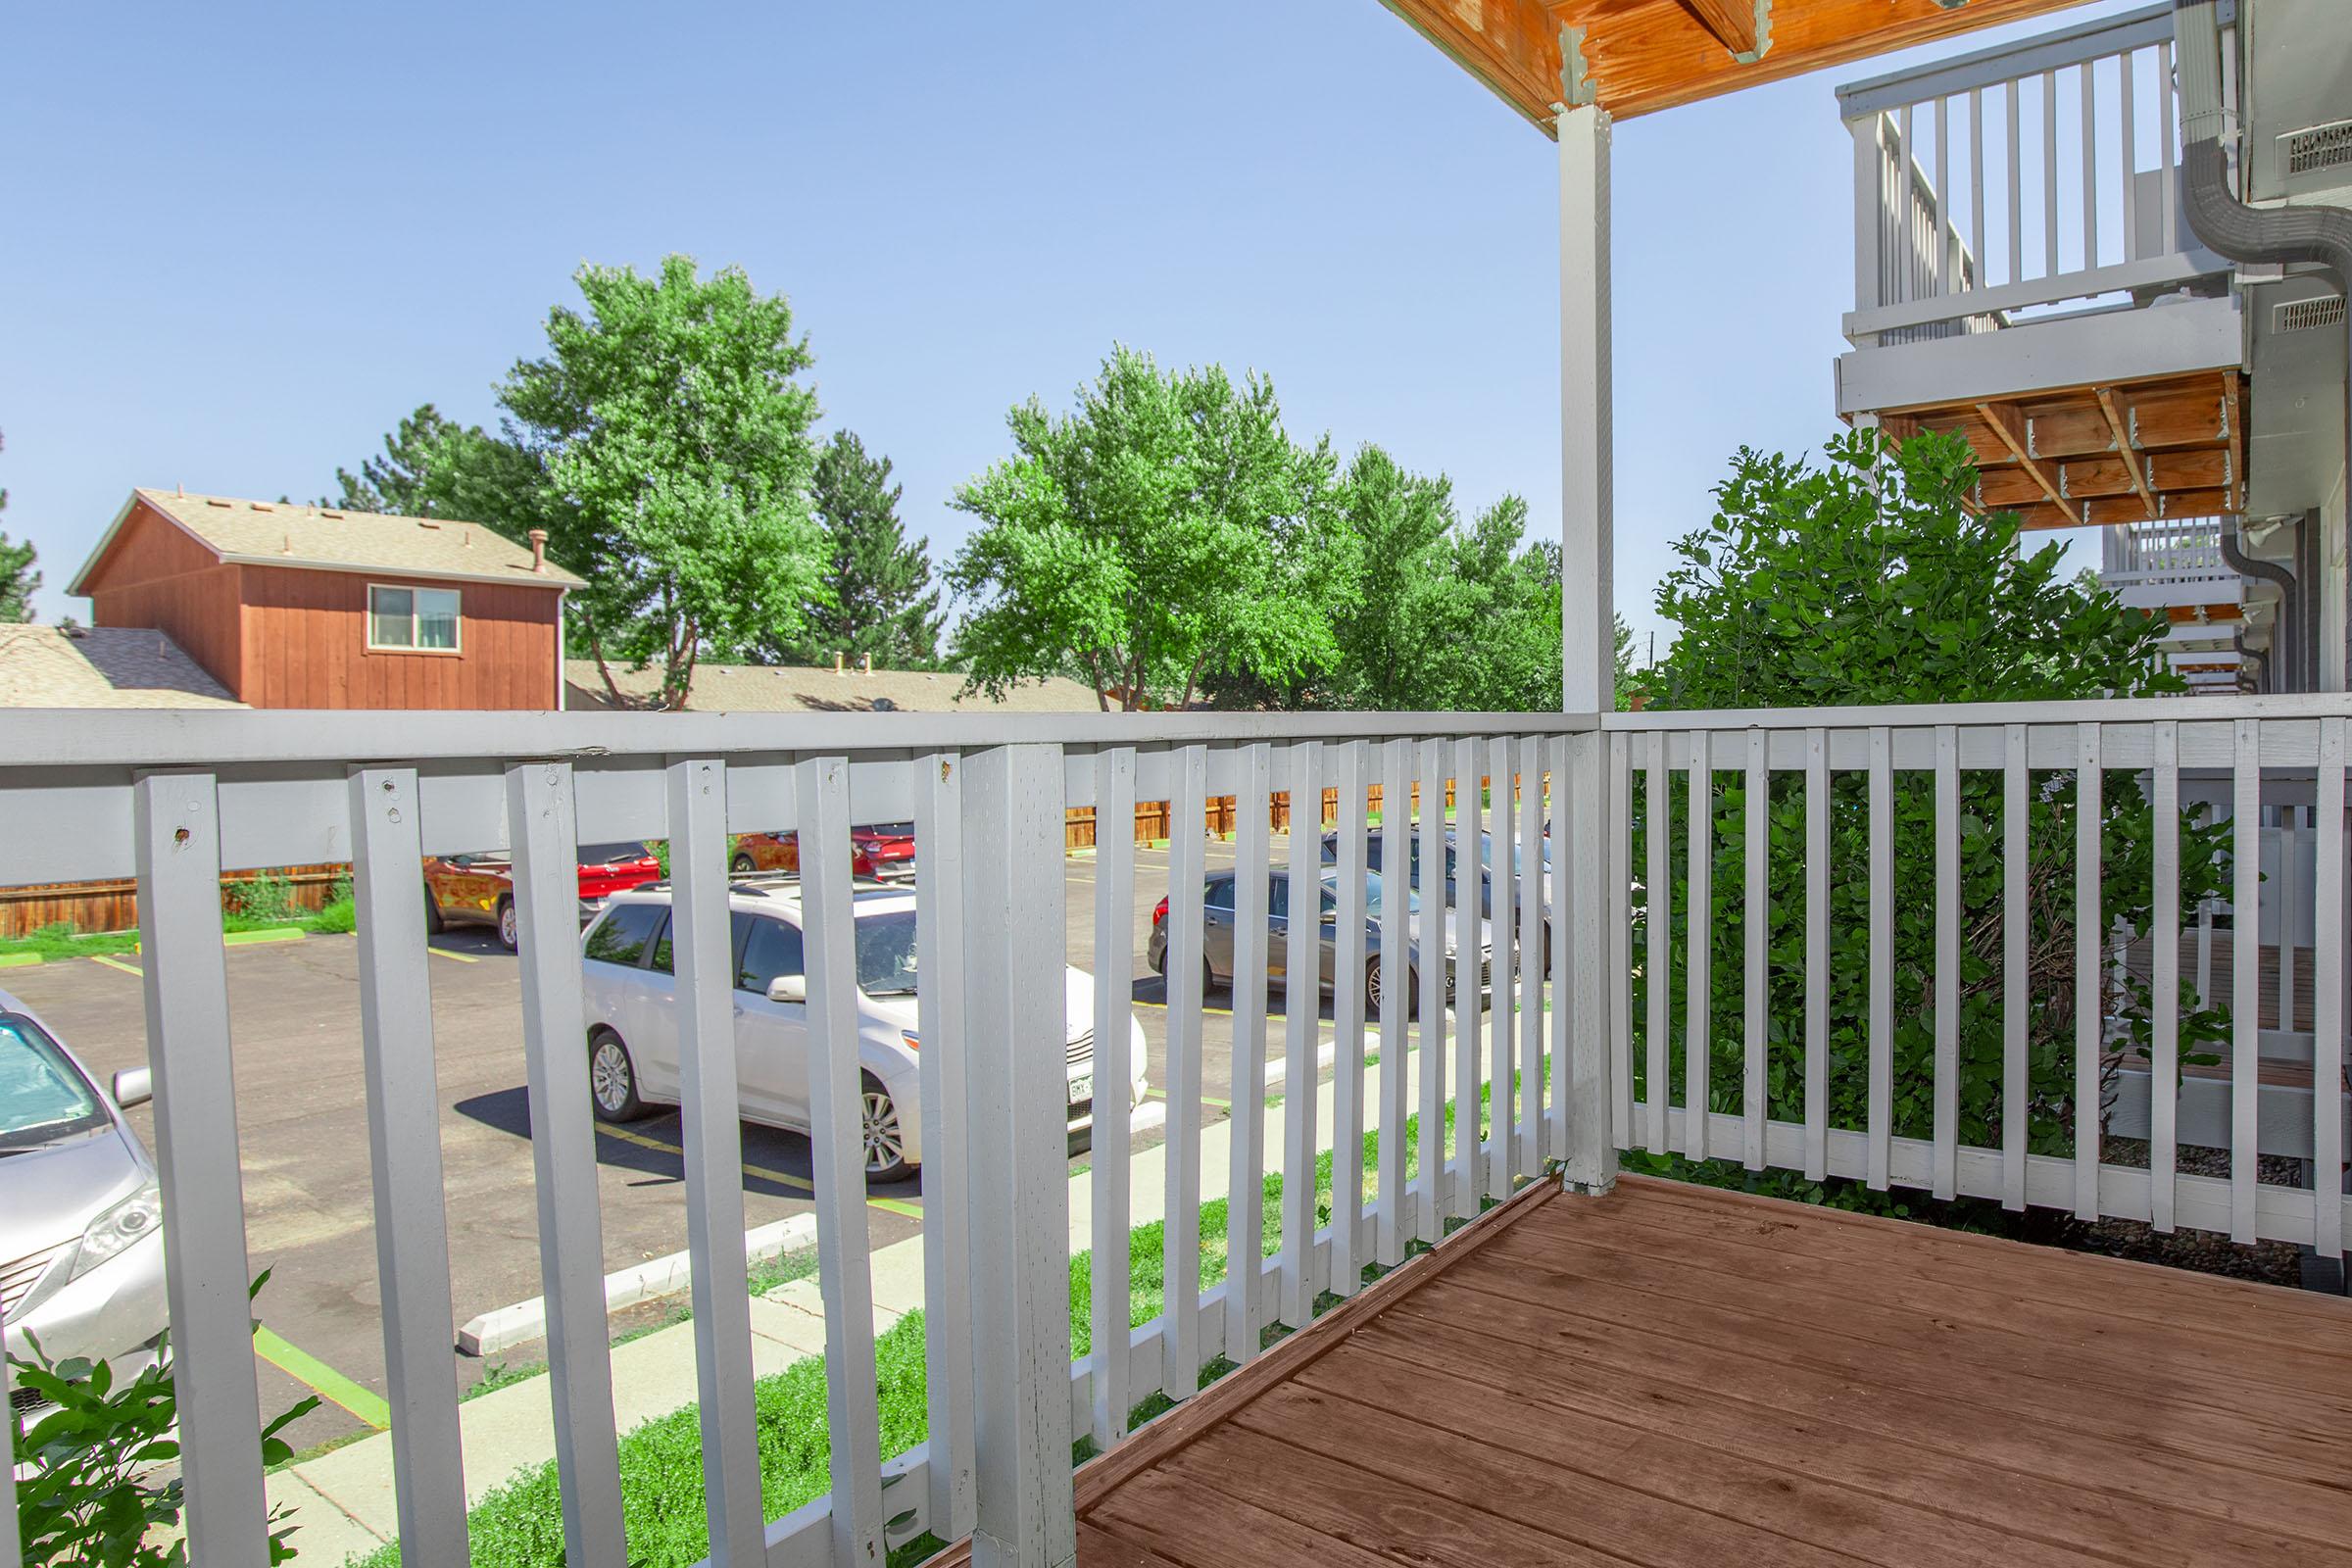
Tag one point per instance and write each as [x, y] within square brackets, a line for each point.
[634, 1025]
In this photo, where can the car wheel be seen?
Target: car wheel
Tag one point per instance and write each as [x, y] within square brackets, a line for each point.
[1412, 991]
[612, 1078]
[509, 933]
[432, 913]
[741, 864]
[885, 1137]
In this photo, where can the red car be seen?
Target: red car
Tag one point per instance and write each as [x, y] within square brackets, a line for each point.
[480, 889]
[881, 851]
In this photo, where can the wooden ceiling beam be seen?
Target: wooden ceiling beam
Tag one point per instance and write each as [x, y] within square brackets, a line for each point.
[2122, 446]
[1513, 46]
[1732, 22]
[2010, 425]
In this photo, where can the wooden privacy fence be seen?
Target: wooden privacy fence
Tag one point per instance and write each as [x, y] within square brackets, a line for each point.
[115, 905]
[1152, 820]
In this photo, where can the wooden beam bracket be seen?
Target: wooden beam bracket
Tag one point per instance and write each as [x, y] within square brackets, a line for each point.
[2016, 434]
[1742, 26]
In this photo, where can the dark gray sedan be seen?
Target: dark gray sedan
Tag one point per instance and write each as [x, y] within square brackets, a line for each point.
[1217, 930]
[1373, 857]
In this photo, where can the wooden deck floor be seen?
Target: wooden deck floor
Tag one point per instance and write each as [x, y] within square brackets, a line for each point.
[1672, 1375]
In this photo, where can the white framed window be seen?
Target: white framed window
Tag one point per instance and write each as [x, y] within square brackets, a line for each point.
[412, 619]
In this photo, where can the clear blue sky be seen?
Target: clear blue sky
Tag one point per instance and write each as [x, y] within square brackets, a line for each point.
[242, 241]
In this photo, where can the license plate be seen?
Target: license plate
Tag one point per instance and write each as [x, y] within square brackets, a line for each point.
[1082, 1089]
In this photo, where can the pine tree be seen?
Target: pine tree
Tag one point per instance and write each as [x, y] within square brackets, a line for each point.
[878, 596]
[17, 580]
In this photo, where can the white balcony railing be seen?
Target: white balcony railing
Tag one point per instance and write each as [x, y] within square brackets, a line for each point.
[2018, 179]
[1573, 1073]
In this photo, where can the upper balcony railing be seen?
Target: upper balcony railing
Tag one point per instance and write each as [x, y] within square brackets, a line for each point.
[1933, 1051]
[2015, 179]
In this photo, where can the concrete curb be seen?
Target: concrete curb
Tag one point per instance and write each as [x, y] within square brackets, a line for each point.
[506, 1326]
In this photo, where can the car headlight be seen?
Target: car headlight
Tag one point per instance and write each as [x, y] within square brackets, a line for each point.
[119, 1229]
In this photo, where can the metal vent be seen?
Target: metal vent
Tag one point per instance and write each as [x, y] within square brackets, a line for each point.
[2319, 147]
[2303, 315]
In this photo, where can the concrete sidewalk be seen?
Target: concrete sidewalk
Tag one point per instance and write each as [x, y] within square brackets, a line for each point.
[343, 1500]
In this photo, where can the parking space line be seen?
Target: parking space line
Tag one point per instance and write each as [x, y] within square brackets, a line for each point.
[897, 1206]
[118, 964]
[458, 957]
[323, 1380]
[1205, 1099]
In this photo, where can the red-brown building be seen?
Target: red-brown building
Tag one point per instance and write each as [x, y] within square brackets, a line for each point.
[307, 606]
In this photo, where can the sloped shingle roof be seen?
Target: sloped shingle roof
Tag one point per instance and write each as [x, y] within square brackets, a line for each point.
[281, 534]
[102, 666]
[794, 688]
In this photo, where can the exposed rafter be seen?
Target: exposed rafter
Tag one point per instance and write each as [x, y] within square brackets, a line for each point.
[2233, 421]
[2010, 425]
[2133, 463]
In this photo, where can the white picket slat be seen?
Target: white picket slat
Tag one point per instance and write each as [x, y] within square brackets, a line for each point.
[542, 828]
[1431, 1007]
[1881, 1113]
[404, 1149]
[2245, 957]
[1817, 955]
[1188, 870]
[1756, 895]
[1561, 1095]
[1244, 1215]
[1347, 1028]
[2016, 981]
[1396, 994]
[943, 1075]
[711, 1109]
[1497, 820]
[1470, 761]
[177, 837]
[2090, 1011]
[1111, 1199]
[837, 1158]
[2164, 1064]
[2327, 994]
[1698, 950]
[2289, 895]
[1300, 1005]
[1535, 916]
[1658, 920]
[1945, 1087]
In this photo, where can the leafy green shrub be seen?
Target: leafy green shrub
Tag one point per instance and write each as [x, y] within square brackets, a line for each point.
[92, 1497]
[1866, 580]
[339, 915]
[265, 900]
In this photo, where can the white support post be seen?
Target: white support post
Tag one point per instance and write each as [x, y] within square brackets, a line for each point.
[1019, 1150]
[1587, 630]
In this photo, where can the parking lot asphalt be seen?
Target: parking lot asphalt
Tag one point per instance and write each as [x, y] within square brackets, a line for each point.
[303, 1125]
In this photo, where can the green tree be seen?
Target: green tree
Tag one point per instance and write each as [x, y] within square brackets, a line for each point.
[673, 434]
[18, 580]
[877, 599]
[433, 466]
[1866, 580]
[1442, 617]
[1167, 528]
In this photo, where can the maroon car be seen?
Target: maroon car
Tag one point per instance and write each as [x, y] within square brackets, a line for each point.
[480, 889]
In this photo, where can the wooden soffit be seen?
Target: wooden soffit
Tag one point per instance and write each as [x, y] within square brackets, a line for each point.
[1636, 56]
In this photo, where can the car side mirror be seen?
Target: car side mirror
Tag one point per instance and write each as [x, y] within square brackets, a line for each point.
[788, 987]
[133, 1085]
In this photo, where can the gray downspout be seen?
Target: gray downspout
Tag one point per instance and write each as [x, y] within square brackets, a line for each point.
[2245, 566]
[2320, 235]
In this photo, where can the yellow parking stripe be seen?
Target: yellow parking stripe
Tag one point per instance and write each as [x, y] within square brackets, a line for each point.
[798, 1184]
[897, 1206]
[306, 1368]
[461, 957]
[116, 964]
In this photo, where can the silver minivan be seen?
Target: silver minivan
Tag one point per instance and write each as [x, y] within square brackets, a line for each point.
[81, 1234]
